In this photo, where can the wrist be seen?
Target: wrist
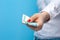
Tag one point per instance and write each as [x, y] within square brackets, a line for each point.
[45, 16]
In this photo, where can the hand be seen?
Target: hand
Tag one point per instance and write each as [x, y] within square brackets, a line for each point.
[39, 18]
[36, 18]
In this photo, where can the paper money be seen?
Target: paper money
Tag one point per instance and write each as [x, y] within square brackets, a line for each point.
[24, 20]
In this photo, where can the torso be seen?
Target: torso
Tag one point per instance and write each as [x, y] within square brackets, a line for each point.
[50, 29]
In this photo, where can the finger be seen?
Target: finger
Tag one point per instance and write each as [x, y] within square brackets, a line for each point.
[39, 21]
[30, 26]
[34, 17]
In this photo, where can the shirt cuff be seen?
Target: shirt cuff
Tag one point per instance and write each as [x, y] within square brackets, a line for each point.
[49, 9]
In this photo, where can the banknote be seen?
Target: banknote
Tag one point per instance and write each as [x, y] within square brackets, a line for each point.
[24, 21]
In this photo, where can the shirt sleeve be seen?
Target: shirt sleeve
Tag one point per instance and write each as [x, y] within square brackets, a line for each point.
[53, 8]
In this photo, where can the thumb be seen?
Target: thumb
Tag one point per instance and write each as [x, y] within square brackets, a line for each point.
[33, 18]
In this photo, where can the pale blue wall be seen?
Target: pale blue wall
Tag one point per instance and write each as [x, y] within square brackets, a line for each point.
[11, 12]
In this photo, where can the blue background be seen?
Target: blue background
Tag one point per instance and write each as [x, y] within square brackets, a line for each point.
[11, 27]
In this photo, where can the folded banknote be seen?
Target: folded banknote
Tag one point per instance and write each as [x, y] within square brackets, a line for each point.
[24, 21]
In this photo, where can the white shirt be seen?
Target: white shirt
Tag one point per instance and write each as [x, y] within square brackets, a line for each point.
[50, 29]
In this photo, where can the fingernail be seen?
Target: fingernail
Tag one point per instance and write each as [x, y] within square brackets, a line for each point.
[29, 20]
